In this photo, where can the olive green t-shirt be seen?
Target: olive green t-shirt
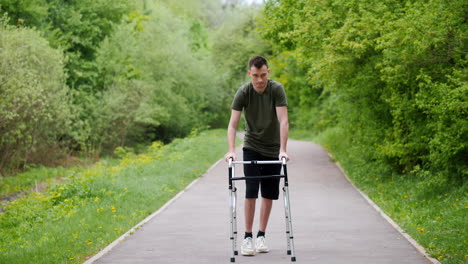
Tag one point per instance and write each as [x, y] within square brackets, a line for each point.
[262, 125]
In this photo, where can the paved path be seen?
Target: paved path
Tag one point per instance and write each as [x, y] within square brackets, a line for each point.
[332, 222]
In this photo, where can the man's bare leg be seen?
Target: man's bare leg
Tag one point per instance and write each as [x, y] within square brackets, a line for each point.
[265, 211]
[249, 212]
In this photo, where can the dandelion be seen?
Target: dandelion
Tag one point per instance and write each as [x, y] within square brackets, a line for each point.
[96, 199]
[420, 229]
[100, 227]
[406, 196]
[440, 257]
[99, 209]
[72, 258]
[457, 200]
[438, 218]
[113, 209]
[377, 178]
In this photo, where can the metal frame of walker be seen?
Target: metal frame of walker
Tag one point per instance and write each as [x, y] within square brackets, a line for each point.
[233, 202]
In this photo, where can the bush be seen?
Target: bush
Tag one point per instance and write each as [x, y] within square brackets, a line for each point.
[34, 105]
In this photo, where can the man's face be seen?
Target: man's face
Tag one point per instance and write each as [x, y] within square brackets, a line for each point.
[259, 76]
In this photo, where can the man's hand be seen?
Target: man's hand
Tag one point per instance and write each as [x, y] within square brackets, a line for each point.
[283, 154]
[230, 155]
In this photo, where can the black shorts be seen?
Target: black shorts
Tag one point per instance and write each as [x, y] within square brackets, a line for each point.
[269, 186]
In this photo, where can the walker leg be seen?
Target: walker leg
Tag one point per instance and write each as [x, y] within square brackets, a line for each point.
[233, 220]
[289, 231]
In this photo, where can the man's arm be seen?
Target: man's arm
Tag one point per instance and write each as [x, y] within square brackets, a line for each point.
[231, 134]
[282, 114]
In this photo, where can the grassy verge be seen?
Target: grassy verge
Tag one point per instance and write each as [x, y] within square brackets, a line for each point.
[435, 214]
[34, 179]
[76, 219]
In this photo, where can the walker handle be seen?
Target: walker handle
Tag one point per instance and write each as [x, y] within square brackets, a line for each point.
[283, 159]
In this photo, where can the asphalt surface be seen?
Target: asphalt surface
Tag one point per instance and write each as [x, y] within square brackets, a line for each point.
[332, 222]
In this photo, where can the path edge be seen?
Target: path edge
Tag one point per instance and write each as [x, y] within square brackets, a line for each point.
[413, 242]
[146, 220]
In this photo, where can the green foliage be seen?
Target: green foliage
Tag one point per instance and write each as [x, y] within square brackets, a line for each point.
[79, 27]
[25, 12]
[35, 107]
[136, 71]
[390, 75]
[163, 83]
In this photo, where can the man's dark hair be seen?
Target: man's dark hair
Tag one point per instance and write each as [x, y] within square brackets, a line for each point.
[258, 62]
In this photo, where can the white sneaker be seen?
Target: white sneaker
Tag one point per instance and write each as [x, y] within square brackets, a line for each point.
[260, 244]
[247, 248]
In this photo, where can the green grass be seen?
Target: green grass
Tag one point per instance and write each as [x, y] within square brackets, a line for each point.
[26, 181]
[432, 211]
[74, 220]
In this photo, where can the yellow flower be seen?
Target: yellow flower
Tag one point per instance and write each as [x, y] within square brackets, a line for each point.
[96, 199]
[72, 258]
[406, 196]
[100, 227]
[420, 228]
[377, 179]
[440, 257]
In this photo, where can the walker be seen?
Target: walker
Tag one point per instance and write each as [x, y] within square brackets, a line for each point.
[233, 202]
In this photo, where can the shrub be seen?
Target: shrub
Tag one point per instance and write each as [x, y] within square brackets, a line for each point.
[34, 105]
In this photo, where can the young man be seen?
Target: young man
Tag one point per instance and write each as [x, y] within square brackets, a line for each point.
[265, 108]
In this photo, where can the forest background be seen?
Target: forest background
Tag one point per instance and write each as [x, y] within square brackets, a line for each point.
[382, 86]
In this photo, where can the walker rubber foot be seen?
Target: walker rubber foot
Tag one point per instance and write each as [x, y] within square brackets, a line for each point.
[233, 260]
[293, 259]
[236, 252]
[289, 252]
